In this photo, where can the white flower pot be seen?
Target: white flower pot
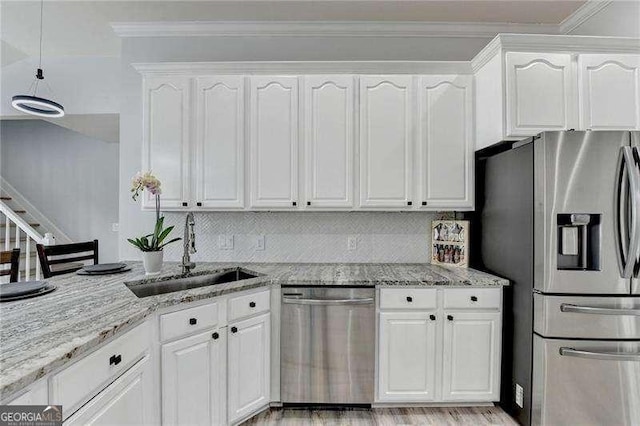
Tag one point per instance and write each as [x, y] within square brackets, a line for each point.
[152, 261]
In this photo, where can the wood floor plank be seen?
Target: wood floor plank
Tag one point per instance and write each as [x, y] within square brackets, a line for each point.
[418, 416]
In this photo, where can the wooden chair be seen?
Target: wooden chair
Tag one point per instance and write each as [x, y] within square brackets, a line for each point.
[10, 257]
[52, 257]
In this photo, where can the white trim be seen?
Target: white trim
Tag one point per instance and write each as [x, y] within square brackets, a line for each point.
[551, 43]
[303, 67]
[35, 214]
[324, 29]
[582, 15]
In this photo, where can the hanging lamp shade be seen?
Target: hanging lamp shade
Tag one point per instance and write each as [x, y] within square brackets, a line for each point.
[33, 104]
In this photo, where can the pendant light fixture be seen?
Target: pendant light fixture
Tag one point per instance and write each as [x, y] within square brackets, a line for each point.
[32, 104]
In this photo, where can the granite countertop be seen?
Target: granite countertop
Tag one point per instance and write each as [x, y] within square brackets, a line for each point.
[39, 335]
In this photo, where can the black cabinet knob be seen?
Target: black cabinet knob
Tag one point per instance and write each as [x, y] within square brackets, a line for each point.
[115, 359]
[432, 317]
[234, 329]
[450, 317]
[474, 299]
[193, 321]
[294, 204]
[409, 203]
[424, 203]
[409, 299]
[215, 336]
[308, 203]
[199, 204]
[252, 304]
[184, 204]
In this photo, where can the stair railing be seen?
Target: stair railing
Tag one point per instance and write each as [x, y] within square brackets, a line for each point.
[17, 226]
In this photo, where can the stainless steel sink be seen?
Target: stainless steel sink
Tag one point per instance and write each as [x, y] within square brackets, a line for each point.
[154, 288]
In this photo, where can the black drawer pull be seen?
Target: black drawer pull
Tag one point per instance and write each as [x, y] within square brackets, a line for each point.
[234, 329]
[252, 304]
[199, 204]
[115, 359]
[184, 204]
[193, 321]
[432, 317]
[409, 299]
[294, 204]
[215, 336]
[308, 203]
[424, 203]
[474, 299]
[450, 317]
[409, 203]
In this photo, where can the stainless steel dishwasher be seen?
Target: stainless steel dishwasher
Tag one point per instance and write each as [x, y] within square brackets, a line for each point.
[327, 345]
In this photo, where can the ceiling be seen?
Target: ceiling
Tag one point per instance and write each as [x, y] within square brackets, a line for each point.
[82, 27]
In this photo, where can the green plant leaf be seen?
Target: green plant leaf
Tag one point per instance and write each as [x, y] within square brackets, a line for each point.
[169, 242]
[164, 234]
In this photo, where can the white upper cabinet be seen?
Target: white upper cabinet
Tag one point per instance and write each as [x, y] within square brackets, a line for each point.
[386, 141]
[329, 140]
[445, 141]
[407, 356]
[609, 91]
[219, 156]
[540, 93]
[471, 358]
[274, 141]
[166, 138]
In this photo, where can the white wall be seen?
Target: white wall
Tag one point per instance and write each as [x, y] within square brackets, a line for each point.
[71, 178]
[397, 237]
[621, 18]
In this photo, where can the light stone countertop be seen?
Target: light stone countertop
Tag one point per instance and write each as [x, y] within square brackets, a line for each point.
[39, 335]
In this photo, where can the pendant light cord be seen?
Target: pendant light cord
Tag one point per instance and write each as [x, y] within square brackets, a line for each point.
[40, 59]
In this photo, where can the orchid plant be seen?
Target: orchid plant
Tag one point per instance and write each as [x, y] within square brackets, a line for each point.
[154, 241]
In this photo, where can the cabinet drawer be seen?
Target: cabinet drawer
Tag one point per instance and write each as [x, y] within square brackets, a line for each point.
[472, 298]
[408, 298]
[249, 304]
[188, 321]
[73, 385]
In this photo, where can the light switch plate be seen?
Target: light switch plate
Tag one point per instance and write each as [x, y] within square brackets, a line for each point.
[352, 243]
[519, 396]
[260, 243]
[225, 242]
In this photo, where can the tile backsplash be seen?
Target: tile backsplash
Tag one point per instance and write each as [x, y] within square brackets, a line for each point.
[307, 236]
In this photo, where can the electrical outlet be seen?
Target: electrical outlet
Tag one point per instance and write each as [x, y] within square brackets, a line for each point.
[115, 227]
[225, 242]
[519, 396]
[260, 242]
[352, 243]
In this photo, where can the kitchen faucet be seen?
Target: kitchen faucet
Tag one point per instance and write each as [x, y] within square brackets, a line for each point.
[189, 244]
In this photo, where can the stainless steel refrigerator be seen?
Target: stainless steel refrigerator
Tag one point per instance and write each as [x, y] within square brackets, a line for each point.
[559, 215]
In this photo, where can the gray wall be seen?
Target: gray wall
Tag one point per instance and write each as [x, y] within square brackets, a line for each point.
[71, 178]
[315, 237]
[619, 18]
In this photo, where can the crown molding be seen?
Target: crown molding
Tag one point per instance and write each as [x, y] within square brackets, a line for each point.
[303, 67]
[324, 29]
[582, 15]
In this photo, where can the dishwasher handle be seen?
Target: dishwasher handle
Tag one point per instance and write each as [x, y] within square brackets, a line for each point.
[300, 301]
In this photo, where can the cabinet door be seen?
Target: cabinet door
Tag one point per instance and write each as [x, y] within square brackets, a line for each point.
[471, 357]
[193, 380]
[446, 141]
[540, 93]
[166, 139]
[274, 141]
[386, 171]
[609, 92]
[407, 356]
[249, 366]
[329, 141]
[129, 400]
[219, 156]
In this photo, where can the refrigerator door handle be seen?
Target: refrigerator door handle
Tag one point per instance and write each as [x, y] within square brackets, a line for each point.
[605, 356]
[627, 254]
[568, 307]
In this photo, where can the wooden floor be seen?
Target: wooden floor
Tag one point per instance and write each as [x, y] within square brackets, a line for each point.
[467, 416]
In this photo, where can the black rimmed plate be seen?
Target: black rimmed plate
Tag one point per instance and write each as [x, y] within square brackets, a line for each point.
[24, 290]
[104, 267]
[113, 271]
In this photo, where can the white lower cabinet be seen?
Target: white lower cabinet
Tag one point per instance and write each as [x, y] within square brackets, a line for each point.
[249, 366]
[471, 359]
[445, 353]
[193, 385]
[129, 400]
[407, 356]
